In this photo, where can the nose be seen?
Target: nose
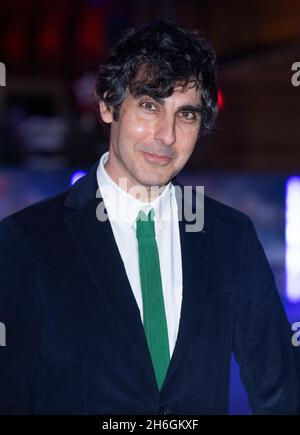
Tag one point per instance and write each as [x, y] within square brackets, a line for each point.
[165, 132]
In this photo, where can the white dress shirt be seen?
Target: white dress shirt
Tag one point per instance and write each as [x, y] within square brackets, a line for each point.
[122, 210]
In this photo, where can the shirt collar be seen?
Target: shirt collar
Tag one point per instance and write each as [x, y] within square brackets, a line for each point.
[123, 207]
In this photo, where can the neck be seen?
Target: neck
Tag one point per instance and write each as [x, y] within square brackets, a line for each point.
[140, 192]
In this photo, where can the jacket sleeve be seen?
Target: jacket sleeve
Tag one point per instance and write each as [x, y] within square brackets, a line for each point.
[20, 323]
[262, 339]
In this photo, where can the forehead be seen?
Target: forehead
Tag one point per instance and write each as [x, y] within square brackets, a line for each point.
[189, 94]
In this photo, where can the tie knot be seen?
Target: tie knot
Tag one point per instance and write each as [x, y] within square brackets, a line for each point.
[145, 224]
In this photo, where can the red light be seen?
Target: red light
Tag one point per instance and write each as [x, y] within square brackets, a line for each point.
[220, 100]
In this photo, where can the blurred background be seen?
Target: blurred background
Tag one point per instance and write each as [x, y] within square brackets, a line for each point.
[50, 133]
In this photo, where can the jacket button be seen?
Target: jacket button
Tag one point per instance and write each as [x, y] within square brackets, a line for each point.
[164, 411]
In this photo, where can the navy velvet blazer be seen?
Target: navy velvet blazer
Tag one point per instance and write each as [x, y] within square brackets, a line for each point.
[75, 342]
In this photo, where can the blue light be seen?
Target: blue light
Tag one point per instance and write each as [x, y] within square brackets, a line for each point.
[292, 239]
[76, 175]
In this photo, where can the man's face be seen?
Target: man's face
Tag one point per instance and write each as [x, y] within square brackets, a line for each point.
[152, 140]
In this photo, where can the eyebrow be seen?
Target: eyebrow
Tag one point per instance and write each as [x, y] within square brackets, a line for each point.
[186, 107]
[190, 108]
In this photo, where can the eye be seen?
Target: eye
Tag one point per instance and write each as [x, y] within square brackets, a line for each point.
[148, 106]
[189, 116]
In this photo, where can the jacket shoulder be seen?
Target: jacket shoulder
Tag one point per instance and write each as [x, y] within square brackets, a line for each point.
[48, 208]
[217, 212]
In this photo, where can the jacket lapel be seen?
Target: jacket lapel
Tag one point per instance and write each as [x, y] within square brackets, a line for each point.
[195, 250]
[96, 242]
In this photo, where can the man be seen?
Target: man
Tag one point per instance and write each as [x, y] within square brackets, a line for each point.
[112, 303]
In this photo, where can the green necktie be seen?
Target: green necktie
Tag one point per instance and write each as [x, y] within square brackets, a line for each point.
[155, 324]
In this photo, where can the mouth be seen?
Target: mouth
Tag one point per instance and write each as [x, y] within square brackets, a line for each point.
[156, 159]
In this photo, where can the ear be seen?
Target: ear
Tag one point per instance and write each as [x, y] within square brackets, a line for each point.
[105, 112]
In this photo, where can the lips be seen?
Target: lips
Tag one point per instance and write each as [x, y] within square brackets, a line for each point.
[156, 158]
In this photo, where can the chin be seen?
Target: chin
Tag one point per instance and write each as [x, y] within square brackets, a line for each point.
[153, 179]
[156, 181]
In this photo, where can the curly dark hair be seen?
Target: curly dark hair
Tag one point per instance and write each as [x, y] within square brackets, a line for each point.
[154, 59]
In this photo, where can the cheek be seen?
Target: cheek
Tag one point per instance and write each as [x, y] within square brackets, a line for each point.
[135, 130]
[187, 142]
[140, 130]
